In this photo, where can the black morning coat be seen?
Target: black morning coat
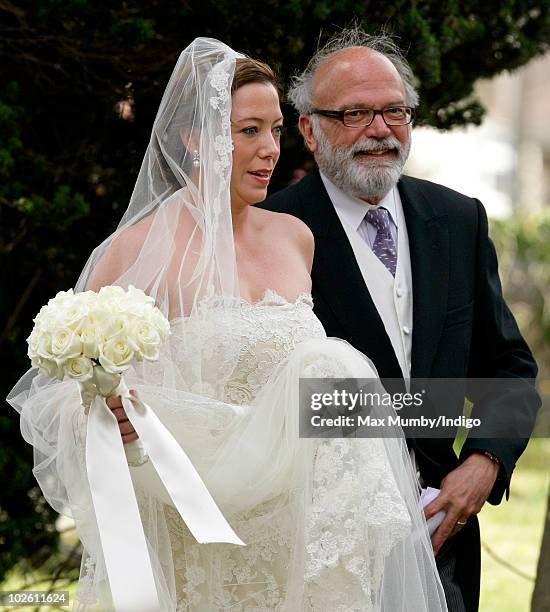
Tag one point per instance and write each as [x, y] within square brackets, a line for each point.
[462, 327]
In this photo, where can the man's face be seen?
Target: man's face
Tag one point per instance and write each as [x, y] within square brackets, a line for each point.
[366, 161]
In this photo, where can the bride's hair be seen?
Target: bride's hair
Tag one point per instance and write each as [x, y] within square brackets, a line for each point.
[248, 70]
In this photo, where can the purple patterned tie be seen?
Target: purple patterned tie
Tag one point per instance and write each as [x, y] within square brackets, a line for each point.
[383, 246]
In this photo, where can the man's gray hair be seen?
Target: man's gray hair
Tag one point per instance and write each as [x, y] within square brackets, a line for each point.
[300, 92]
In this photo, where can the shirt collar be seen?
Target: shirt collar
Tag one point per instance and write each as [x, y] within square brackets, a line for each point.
[353, 209]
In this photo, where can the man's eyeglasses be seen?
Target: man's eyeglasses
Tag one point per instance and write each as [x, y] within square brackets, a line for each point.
[363, 117]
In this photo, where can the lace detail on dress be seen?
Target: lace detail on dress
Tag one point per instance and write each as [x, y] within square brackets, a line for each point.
[318, 542]
[357, 516]
[242, 345]
[85, 591]
[246, 579]
[252, 578]
[273, 327]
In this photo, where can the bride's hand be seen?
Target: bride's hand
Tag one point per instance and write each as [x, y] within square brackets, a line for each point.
[127, 431]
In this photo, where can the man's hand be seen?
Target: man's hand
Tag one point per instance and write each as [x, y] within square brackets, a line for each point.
[463, 493]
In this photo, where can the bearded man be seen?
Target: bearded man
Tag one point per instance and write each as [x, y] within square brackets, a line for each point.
[404, 270]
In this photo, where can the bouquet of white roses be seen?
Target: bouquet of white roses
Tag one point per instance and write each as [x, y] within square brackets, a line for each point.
[83, 335]
[93, 338]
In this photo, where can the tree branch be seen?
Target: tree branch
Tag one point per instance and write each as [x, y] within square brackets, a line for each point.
[21, 303]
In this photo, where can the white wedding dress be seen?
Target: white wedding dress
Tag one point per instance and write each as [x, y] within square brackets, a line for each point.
[330, 524]
[336, 561]
[319, 517]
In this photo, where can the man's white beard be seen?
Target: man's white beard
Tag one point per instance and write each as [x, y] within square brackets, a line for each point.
[363, 178]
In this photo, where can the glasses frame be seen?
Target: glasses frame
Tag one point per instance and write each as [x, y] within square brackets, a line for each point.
[341, 115]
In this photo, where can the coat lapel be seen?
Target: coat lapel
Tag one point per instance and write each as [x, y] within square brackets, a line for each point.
[338, 280]
[429, 250]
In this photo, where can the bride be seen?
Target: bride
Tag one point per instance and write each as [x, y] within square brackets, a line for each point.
[329, 524]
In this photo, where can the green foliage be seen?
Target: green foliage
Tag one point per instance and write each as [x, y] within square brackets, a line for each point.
[523, 245]
[68, 160]
[10, 133]
[33, 247]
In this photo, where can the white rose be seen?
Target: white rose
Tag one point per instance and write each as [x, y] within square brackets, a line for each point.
[134, 309]
[80, 368]
[42, 314]
[112, 324]
[146, 338]
[48, 367]
[62, 296]
[160, 322]
[99, 314]
[110, 292]
[139, 302]
[44, 348]
[139, 296]
[48, 318]
[111, 298]
[33, 342]
[88, 301]
[88, 297]
[116, 354]
[61, 300]
[73, 314]
[90, 337]
[65, 343]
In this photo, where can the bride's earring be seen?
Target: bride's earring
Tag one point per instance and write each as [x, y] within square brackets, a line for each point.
[196, 159]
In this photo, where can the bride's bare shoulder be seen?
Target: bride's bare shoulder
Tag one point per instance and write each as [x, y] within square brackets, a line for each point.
[121, 252]
[285, 228]
[287, 224]
[133, 236]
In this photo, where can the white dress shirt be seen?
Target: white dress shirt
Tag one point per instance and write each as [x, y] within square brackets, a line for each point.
[353, 210]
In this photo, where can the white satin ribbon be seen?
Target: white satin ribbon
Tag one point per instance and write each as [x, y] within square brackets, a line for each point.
[120, 528]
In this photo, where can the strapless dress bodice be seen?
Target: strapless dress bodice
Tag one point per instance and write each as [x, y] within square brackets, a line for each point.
[231, 352]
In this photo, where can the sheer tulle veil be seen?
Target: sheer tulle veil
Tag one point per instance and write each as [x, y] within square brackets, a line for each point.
[175, 242]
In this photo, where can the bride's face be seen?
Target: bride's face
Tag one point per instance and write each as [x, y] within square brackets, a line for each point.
[256, 125]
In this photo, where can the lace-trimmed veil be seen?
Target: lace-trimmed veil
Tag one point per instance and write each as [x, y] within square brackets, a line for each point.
[175, 242]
